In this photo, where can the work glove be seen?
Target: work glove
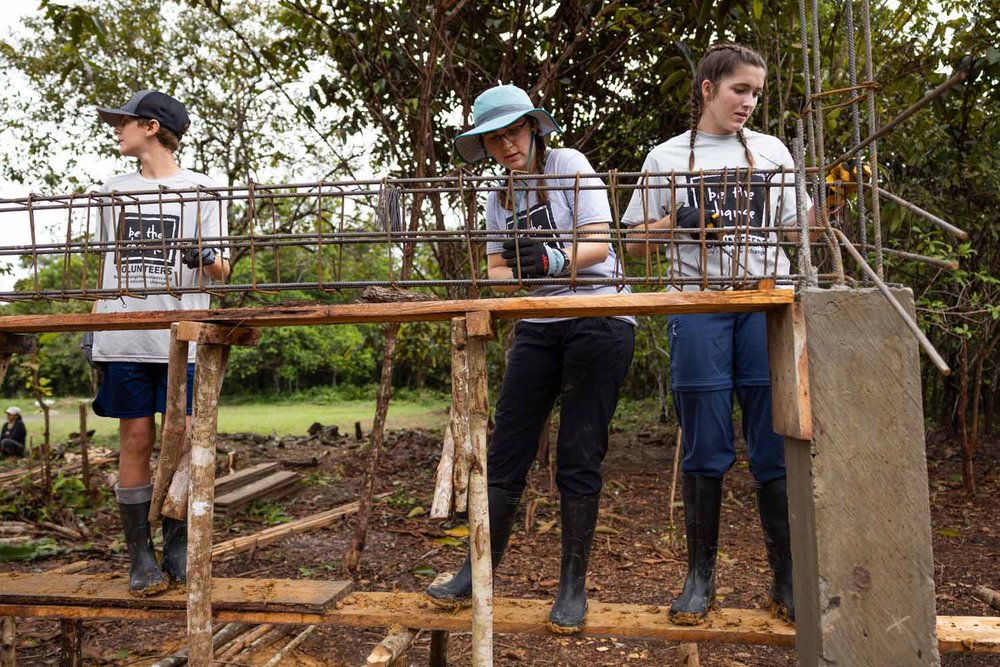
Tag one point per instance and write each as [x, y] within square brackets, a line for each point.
[537, 260]
[194, 259]
[87, 345]
[689, 217]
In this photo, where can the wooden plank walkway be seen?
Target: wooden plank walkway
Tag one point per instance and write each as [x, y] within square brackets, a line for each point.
[309, 602]
[646, 303]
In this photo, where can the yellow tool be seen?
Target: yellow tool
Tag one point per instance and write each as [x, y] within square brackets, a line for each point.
[842, 183]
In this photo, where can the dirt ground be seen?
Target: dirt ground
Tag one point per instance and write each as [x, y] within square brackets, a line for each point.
[637, 557]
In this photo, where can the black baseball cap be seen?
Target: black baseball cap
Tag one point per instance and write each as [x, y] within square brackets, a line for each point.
[151, 104]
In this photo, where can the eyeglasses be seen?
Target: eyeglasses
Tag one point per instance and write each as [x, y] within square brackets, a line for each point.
[509, 134]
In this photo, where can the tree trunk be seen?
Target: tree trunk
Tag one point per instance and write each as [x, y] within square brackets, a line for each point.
[968, 474]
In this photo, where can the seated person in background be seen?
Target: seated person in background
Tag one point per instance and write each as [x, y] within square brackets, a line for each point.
[14, 434]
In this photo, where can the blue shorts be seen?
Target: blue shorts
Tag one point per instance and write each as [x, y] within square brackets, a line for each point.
[718, 351]
[130, 390]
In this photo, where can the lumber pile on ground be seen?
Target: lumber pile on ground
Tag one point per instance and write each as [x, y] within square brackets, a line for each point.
[264, 481]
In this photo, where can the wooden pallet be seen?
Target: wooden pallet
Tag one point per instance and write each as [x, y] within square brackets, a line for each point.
[326, 602]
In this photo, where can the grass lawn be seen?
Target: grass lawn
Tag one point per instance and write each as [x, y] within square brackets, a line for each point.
[259, 417]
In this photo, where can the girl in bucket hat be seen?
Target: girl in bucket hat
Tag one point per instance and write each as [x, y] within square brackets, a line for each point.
[581, 361]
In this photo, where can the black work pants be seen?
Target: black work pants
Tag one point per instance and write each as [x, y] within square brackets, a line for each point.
[583, 362]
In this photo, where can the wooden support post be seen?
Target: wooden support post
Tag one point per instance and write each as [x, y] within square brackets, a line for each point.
[687, 655]
[8, 641]
[172, 440]
[459, 422]
[213, 354]
[201, 492]
[480, 330]
[71, 652]
[439, 648]
[176, 503]
[85, 450]
[857, 493]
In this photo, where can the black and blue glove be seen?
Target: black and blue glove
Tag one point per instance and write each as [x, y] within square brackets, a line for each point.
[689, 217]
[535, 259]
[194, 259]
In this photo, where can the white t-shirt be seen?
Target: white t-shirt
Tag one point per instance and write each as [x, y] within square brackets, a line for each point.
[147, 217]
[557, 213]
[758, 209]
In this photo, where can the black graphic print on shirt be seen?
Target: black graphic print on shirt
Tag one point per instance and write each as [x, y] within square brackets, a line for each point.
[537, 217]
[147, 263]
[739, 201]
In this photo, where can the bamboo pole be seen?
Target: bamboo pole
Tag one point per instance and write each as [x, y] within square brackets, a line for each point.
[237, 646]
[174, 423]
[210, 367]
[482, 567]
[225, 634]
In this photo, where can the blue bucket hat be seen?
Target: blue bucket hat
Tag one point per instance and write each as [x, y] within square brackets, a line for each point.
[497, 108]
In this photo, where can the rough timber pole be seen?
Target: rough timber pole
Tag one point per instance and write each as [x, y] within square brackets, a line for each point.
[846, 387]
[213, 353]
[480, 329]
[174, 423]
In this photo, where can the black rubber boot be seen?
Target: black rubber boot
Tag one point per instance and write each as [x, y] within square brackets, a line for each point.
[456, 593]
[145, 577]
[702, 506]
[175, 540]
[772, 502]
[579, 518]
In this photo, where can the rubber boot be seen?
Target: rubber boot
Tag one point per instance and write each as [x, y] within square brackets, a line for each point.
[456, 593]
[772, 503]
[579, 518]
[145, 576]
[702, 506]
[175, 550]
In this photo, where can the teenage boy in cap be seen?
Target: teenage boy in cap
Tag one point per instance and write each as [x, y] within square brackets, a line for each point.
[149, 127]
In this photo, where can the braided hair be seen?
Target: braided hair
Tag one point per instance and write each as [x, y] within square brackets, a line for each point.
[719, 61]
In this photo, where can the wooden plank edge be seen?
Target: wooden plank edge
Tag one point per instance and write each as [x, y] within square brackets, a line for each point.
[986, 641]
[643, 303]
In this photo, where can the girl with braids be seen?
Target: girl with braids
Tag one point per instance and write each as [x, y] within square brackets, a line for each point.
[581, 361]
[711, 355]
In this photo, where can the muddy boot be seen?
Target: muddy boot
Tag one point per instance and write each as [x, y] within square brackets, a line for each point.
[175, 542]
[456, 593]
[772, 502]
[579, 517]
[702, 506]
[145, 577]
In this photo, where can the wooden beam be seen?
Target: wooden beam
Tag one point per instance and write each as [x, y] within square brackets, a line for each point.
[277, 595]
[240, 478]
[173, 440]
[956, 634]
[275, 533]
[459, 414]
[439, 649]
[789, 362]
[394, 646]
[275, 485]
[217, 334]
[12, 343]
[480, 323]
[511, 308]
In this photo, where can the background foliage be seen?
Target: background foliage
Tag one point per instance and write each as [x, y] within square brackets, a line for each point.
[303, 89]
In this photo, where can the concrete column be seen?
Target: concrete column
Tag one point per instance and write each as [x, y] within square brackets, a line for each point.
[857, 490]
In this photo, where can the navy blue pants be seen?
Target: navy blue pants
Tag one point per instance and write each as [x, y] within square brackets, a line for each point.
[581, 361]
[711, 356]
